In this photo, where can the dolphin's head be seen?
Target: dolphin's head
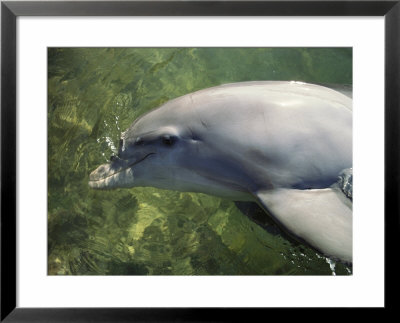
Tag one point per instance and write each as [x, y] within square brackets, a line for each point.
[170, 148]
[160, 149]
[148, 155]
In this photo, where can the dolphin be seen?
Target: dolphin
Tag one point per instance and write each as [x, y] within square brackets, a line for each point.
[285, 145]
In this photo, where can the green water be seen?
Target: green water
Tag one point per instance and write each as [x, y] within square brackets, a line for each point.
[93, 95]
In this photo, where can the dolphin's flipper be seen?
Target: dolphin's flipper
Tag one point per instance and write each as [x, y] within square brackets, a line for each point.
[320, 217]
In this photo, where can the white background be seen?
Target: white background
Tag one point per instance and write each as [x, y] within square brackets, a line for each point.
[364, 288]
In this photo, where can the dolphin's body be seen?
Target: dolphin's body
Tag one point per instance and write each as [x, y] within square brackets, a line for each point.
[281, 144]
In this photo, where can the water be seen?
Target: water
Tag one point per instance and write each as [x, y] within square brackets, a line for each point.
[93, 95]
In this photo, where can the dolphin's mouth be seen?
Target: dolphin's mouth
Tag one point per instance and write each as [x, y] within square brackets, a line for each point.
[115, 174]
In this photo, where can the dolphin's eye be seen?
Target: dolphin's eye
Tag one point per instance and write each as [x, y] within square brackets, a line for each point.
[168, 140]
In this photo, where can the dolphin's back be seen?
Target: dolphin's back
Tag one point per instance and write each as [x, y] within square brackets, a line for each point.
[258, 123]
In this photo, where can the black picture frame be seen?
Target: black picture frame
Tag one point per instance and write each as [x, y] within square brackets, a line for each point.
[10, 10]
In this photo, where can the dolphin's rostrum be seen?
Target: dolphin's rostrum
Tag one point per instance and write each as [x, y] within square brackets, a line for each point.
[281, 144]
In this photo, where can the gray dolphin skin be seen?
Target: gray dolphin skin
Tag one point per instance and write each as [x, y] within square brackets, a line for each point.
[283, 145]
